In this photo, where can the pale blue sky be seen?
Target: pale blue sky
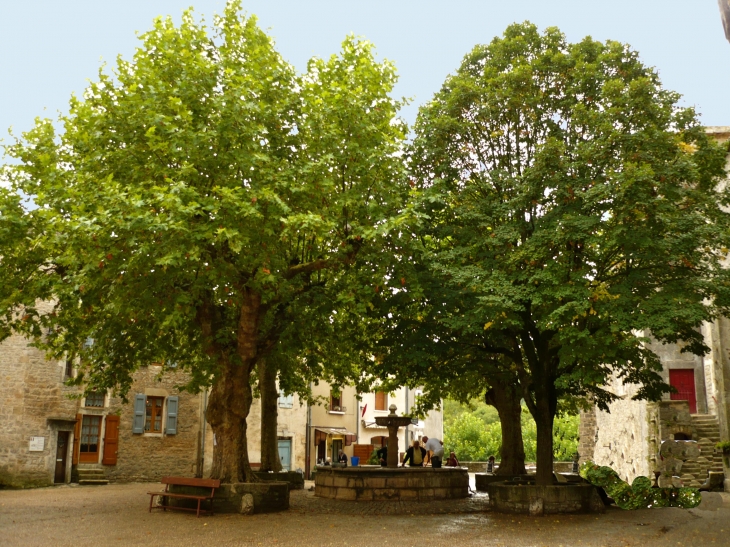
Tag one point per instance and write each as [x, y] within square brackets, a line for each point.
[50, 48]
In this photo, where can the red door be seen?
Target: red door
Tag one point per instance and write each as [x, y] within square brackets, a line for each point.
[683, 379]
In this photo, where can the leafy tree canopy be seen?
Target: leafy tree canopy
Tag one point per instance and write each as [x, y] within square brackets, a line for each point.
[202, 205]
[567, 207]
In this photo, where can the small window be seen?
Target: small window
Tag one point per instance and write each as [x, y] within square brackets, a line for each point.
[381, 400]
[153, 414]
[95, 399]
[335, 402]
[69, 369]
[286, 401]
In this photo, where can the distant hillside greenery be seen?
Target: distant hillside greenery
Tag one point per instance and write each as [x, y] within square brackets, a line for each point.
[474, 433]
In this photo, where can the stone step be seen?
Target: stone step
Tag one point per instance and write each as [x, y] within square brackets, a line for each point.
[97, 482]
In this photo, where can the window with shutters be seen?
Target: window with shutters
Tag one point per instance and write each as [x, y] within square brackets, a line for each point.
[153, 414]
[95, 399]
[381, 400]
[285, 401]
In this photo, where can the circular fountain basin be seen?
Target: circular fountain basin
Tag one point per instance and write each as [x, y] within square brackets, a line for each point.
[385, 483]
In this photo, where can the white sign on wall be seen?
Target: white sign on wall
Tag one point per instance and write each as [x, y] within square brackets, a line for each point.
[37, 444]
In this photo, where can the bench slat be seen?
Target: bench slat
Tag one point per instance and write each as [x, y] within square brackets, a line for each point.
[173, 495]
[183, 481]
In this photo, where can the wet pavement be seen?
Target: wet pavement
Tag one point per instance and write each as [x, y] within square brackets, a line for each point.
[117, 514]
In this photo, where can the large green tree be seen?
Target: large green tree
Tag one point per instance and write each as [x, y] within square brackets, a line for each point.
[198, 206]
[566, 193]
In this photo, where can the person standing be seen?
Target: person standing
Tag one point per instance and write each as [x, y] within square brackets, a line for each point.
[436, 447]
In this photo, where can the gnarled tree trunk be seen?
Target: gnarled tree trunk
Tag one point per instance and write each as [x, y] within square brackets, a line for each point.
[506, 399]
[228, 407]
[231, 397]
[269, 416]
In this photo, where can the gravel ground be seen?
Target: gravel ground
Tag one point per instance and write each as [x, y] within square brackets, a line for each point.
[117, 514]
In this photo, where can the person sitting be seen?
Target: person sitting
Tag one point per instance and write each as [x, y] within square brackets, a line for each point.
[452, 461]
[341, 457]
[415, 455]
[383, 456]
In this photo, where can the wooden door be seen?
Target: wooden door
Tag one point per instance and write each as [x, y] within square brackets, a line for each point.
[61, 455]
[683, 379]
[90, 439]
[111, 440]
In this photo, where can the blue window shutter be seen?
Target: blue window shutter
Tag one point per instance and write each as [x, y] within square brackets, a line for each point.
[171, 427]
[138, 424]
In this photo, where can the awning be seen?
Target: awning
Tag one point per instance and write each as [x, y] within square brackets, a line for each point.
[334, 430]
[320, 434]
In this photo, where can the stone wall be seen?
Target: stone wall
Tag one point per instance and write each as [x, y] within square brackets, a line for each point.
[623, 434]
[544, 500]
[587, 436]
[401, 484]
[34, 402]
[151, 456]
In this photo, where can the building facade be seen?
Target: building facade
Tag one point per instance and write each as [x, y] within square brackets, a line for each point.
[50, 433]
[628, 438]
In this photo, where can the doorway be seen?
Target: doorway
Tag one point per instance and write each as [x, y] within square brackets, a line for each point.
[336, 447]
[89, 445]
[683, 379]
[59, 477]
[285, 454]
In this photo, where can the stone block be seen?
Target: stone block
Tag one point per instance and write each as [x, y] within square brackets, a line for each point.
[355, 482]
[536, 507]
[340, 481]
[408, 494]
[346, 494]
[385, 494]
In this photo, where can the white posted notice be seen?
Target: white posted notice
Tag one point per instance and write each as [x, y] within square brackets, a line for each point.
[37, 444]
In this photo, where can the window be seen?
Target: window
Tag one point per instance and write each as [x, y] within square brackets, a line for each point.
[153, 414]
[95, 399]
[285, 401]
[381, 400]
[69, 367]
[336, 402]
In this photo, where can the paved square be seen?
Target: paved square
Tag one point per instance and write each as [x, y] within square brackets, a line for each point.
[117, 514]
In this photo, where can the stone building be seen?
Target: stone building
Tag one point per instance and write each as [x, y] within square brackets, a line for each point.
[629, 437]
[50, 433]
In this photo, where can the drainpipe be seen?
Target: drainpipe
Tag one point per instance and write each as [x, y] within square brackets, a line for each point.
[205, 423]
[405, 431]
[308, 438]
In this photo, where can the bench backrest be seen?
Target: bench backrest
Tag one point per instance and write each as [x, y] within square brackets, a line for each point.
[184, 481]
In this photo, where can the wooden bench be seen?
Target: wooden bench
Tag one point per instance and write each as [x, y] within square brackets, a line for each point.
[208, 484]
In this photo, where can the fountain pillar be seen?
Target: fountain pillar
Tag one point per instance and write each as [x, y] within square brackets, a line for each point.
[392, 421]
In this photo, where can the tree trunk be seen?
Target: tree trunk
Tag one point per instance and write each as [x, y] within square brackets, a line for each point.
[231, 397]
[544, 421]
[269, 414]
[228, 407]
[506, 399]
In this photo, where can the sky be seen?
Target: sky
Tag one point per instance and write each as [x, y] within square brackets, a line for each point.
[50, 49]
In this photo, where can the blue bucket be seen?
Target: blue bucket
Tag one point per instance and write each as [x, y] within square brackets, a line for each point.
[355, 461]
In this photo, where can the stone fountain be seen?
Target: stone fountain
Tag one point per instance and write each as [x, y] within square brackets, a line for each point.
[392, 421]
[375, 483]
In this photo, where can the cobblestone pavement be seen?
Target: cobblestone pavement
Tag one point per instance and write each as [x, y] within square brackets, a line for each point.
[116, 515]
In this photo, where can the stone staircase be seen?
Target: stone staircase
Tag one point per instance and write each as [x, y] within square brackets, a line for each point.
[91, 474]
[707, 435]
